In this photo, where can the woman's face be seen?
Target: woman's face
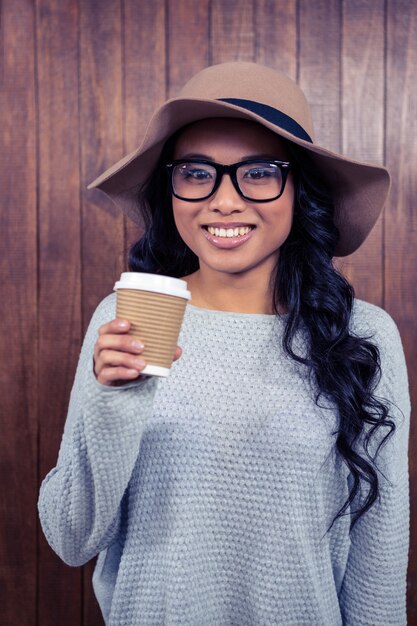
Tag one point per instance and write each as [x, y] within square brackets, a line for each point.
[228, 141]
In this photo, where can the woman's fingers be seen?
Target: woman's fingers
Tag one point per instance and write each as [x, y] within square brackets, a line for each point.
[114, 375]
[177, 353]
[112, 365]
[124, 343]
[123, 359]
[115, 326]
[117, 355]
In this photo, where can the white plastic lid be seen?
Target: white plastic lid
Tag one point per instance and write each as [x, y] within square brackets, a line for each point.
[154, 282]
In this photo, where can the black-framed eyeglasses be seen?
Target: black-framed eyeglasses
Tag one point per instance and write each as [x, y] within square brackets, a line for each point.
[258, 180]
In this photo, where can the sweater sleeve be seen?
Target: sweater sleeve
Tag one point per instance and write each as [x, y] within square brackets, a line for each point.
[80, 502]
[374, 585]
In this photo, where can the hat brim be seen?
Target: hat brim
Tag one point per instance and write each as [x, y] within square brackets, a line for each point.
[359, 189]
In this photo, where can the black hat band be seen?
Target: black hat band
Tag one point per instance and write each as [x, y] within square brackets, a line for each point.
[270, 114]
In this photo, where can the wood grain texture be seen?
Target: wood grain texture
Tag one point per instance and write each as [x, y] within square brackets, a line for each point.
[188, 40]
[101, 145]
[319, 66]
[59, 267]
[362, 115]
[276, 35]
[400, 224]
[232, 31]
[144, 76]
[18, 345]
[101, 139]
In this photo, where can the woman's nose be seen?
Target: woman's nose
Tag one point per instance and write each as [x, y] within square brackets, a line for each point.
[226, 197]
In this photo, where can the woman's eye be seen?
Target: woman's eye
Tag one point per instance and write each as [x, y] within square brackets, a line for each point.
[258, 173]
[196, 174]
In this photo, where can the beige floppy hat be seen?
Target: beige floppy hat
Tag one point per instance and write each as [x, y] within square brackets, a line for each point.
[257, 93]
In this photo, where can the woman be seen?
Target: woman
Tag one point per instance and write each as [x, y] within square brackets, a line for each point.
[265, 480]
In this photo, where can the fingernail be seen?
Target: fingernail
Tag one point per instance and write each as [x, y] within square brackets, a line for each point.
[123, 324]
[140, 363]
[137, 345]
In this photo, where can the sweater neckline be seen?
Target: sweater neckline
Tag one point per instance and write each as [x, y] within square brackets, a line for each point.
[258, 317]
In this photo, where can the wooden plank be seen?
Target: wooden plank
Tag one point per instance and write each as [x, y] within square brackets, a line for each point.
[18, 346]
[276, 35]
[59, 270]
[101, 143]
[319, 48]
[101, 124]
[232, 31]
[363, 126]
[400, 224]
[187, 17]
[145, 82]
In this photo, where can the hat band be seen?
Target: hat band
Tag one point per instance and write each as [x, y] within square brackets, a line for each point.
[270, 114]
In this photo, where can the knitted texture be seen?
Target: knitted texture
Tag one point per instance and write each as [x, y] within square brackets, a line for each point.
[207, 495]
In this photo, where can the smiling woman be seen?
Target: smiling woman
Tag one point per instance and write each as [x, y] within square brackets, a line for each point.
[244, 260]
[271, 465]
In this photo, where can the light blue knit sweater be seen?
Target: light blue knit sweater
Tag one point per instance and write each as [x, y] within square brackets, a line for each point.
[207, 495]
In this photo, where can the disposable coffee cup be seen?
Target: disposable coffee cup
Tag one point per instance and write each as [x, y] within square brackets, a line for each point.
[155, 306]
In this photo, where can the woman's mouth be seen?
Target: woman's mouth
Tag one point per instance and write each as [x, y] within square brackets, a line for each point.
[228, 237]
[229, 232]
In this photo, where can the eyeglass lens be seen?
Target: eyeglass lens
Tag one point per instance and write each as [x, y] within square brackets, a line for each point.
[257, 181]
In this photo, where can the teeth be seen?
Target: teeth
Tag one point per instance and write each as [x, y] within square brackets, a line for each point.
[230, 232]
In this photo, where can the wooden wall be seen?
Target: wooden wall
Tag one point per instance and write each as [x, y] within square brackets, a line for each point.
[81, 78]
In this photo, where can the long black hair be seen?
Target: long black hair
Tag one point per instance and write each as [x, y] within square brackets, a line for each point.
[318, 299]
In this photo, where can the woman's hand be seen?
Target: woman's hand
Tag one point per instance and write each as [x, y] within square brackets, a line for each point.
[117, 355]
